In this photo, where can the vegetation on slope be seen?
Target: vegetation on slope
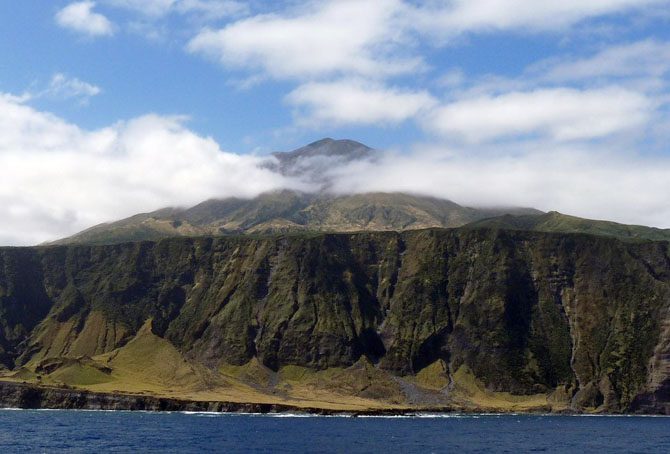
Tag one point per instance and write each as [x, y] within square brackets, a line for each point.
[562, 223]
[290, 211]
[533, 319]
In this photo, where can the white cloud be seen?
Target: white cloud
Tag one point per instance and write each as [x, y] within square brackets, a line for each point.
[586, 181]
[456, 17]
[80, 17]
[647, 58]
[356, 37]
[376, 38]
[64, 87]
[620, 88]
[322, 43]
[356, 102]
[561, 114]
[59, 178]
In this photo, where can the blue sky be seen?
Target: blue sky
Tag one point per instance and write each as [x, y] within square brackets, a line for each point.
[557, 105]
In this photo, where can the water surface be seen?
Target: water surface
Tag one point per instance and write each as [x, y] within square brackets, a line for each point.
[91, 431]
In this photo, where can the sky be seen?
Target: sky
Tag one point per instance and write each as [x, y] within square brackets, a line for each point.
[113, 107]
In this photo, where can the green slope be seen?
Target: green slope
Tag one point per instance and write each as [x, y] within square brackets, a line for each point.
[289, 211]
[557, 222]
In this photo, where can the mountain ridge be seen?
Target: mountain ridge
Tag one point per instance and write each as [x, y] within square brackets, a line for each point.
[554, 221]
[292, 211]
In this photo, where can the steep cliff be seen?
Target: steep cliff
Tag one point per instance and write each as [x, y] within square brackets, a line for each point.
[443, 316]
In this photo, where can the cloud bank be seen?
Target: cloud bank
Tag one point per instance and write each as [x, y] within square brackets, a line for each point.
[562, 114]
[593, 183]
[59, 178]
[356, 102]
[468, 16]
[318, 39]
[378, 38]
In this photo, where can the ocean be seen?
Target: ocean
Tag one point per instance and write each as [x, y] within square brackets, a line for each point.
[96, 431]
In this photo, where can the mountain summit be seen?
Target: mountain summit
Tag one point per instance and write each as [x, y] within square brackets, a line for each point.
[342, 150]
[312, 162]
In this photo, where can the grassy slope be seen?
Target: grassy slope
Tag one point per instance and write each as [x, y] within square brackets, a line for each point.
[287, 211]
[150, 365]
[562, 223]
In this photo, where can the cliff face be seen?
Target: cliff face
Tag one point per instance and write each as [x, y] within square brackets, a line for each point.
[577, 316]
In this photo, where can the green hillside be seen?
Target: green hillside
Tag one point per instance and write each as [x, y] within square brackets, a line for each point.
[290, 211]
[557, 222]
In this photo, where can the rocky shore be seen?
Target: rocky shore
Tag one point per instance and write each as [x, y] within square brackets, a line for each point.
[27, 396]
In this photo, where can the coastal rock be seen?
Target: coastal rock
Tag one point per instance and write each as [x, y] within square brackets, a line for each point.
[525, 312]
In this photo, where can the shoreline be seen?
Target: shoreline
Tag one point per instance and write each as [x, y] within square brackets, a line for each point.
[34, 397]
[30, 396]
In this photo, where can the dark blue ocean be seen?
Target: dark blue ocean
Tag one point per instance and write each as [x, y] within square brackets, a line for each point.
[91, 431]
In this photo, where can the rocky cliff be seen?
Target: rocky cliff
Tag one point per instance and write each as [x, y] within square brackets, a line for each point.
[448, 316]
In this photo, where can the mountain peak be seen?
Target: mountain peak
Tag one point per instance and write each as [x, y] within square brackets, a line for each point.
[312, 161]
[319, 143]
[326, 147]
